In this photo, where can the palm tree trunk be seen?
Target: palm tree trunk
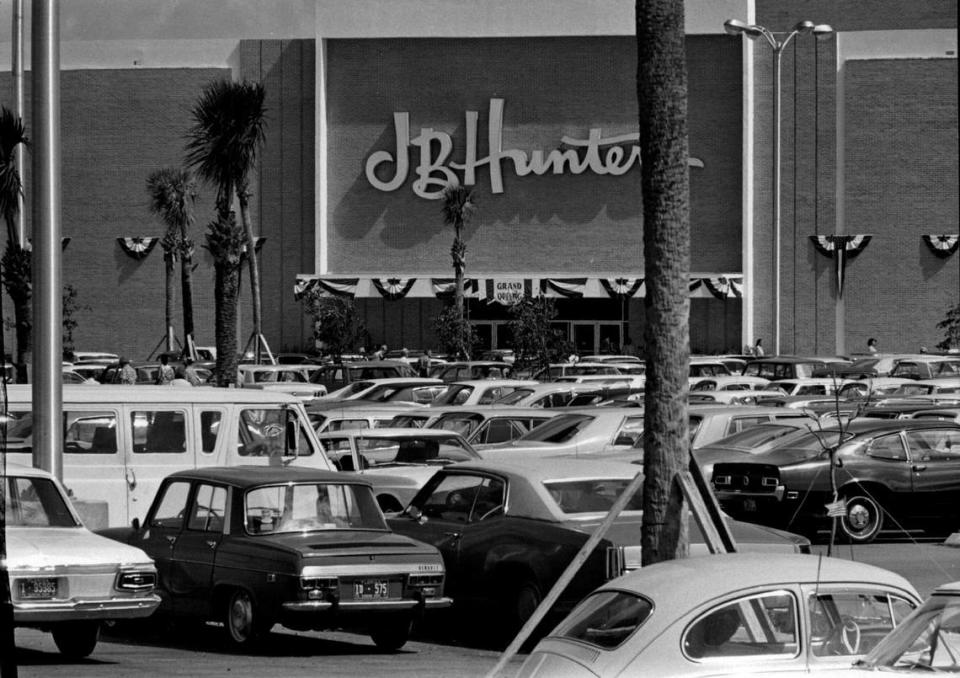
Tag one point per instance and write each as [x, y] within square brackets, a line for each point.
[227, 285]
[168, 293]
[254, 270]
[186, 286]
[662, 97]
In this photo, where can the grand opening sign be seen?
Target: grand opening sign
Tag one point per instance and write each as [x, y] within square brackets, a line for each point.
[601, 155]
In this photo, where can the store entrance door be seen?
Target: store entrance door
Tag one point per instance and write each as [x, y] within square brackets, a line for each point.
[611, 338]
[585, 337]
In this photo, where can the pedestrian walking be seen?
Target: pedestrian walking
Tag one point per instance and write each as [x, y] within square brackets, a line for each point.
[380, 353]
[423, 364]
[128, 375]
[165, 372]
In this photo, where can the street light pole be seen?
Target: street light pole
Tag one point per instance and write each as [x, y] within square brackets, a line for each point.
[752, 31]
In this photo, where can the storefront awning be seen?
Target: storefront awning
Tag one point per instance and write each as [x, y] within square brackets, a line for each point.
[506, 288]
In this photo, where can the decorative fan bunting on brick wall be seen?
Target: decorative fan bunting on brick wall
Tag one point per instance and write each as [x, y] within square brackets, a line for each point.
[445, 287]
[620, 288]
[841, 248]
[724, 288]
[569, 288]
[942, 245]
[340, 287]
[138, 247]
[393, 288]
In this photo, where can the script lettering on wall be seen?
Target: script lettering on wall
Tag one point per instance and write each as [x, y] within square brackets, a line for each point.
[601, 155]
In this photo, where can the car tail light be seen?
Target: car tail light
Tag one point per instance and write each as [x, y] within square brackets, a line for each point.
[428, 585]
[722, 480]
[136, 580]
[320, 588]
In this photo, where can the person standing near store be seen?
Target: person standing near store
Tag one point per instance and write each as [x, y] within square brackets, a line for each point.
[872, 345]
[164, 372]
[128, 375]
[423, 364]
[758, 349]
[380, 353]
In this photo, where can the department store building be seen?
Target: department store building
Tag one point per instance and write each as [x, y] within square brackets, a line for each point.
[375, 104]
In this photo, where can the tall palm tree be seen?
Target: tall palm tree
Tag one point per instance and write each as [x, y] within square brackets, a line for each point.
[662, 97]
[16, 262]
[173, 193]
[228, 130]
[225, 240]
[458, 207]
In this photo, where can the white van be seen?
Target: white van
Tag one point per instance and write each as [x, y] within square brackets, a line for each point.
[119, 442]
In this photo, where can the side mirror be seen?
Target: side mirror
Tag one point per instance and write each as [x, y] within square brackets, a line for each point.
[135, 524]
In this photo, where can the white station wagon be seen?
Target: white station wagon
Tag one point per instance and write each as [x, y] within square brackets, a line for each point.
[64, 578]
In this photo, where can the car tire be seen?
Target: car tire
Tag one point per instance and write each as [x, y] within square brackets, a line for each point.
[241, 620]
[518, 606]
[392, 635]
[863, 519]
[76, 639]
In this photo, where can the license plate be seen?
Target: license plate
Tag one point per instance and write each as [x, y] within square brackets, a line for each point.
[41, 588]
[749, 505]
[374, 589]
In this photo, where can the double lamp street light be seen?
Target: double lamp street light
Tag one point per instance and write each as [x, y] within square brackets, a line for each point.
[778, 43]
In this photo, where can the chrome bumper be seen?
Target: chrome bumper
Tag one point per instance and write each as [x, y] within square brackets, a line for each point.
[360, 605]
[79, 610]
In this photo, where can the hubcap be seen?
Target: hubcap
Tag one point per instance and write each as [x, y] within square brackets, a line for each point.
[859, 517]
[241, 615]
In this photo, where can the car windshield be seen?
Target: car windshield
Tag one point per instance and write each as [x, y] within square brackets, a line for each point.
[514, 397]
[463, 423]
[591, 494]
[455, 394]
[300, 507]
[35, 502]
[558, 430]
[928, 640]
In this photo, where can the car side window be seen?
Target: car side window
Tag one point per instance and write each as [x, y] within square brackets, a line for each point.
[847, 623]
[498, 431]
[738, 424]
[489, 501]
[90, 433]
[159, 431]
[887, 447]
[934, 445]
[758, 625]
[209, 429]
[452, 499]
[172, 506]
[209, 508]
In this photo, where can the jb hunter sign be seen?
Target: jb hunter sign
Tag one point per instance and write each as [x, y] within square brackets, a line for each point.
[605, 156]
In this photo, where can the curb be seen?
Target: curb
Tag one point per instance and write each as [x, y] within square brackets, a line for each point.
[953, 540]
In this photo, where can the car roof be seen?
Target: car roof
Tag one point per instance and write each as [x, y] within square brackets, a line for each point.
[785, 359]
[249, 476]
[558, 468]
[870, 424]
[383, 432]
[952, 588]
[690, 582]
[490, 382]
[147, 393]
[716, 410]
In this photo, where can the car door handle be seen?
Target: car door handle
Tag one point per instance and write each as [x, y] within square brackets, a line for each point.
[212, 543]
[919, 467]
[171, 539]
[452, 535]
[131, 479]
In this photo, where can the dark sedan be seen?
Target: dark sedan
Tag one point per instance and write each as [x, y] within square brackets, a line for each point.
[508, 529]
[898, 471]
[254, 546]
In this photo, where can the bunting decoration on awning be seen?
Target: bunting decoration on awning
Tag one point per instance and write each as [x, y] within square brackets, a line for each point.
[841, 248]
[138, 247]
[445, 287]
[942, 245]
[393, 288]
[569, 288]
[724, 288]
[621, 287]
[339, 287]
[695, 284]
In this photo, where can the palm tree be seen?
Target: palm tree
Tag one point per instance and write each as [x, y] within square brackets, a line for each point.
[222, 146]
[662, 97]
[458, 207]
[225, 240]
[16, 262]
[173, 193]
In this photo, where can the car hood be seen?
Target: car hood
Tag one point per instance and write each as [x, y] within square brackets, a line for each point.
[337, 542]
[49, 547]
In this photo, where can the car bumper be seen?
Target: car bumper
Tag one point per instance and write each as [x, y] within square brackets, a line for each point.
[314, 606]
[26, 613]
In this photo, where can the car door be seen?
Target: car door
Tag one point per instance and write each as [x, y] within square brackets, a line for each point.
[935, 464]
[162, 528]
[160, 440]
[195, 549]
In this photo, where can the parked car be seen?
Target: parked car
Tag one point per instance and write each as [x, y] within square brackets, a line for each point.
[292, 379]
[707, 366]
[871, 389]
[749, 441]
[551, 394]
[421, 391]
[732, 382]
[508, 529]
[309, 549]
[349, 415]
[939, 413]
[555, 370]
[63, 578]
[582, 431]
[487, 425]
[927, 367]
[864, 367]
[783, 367]
[360, 389]
[904, 469]
[338, 375]
[710, 423]
[925, 642]
[84, 357]
[478, 391]
[472, 369]
[397, 462]
[924, 387]
[727, 615]
[808, 386]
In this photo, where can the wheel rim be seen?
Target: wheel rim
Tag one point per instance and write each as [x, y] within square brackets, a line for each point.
[240, 617]
[862, 519]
